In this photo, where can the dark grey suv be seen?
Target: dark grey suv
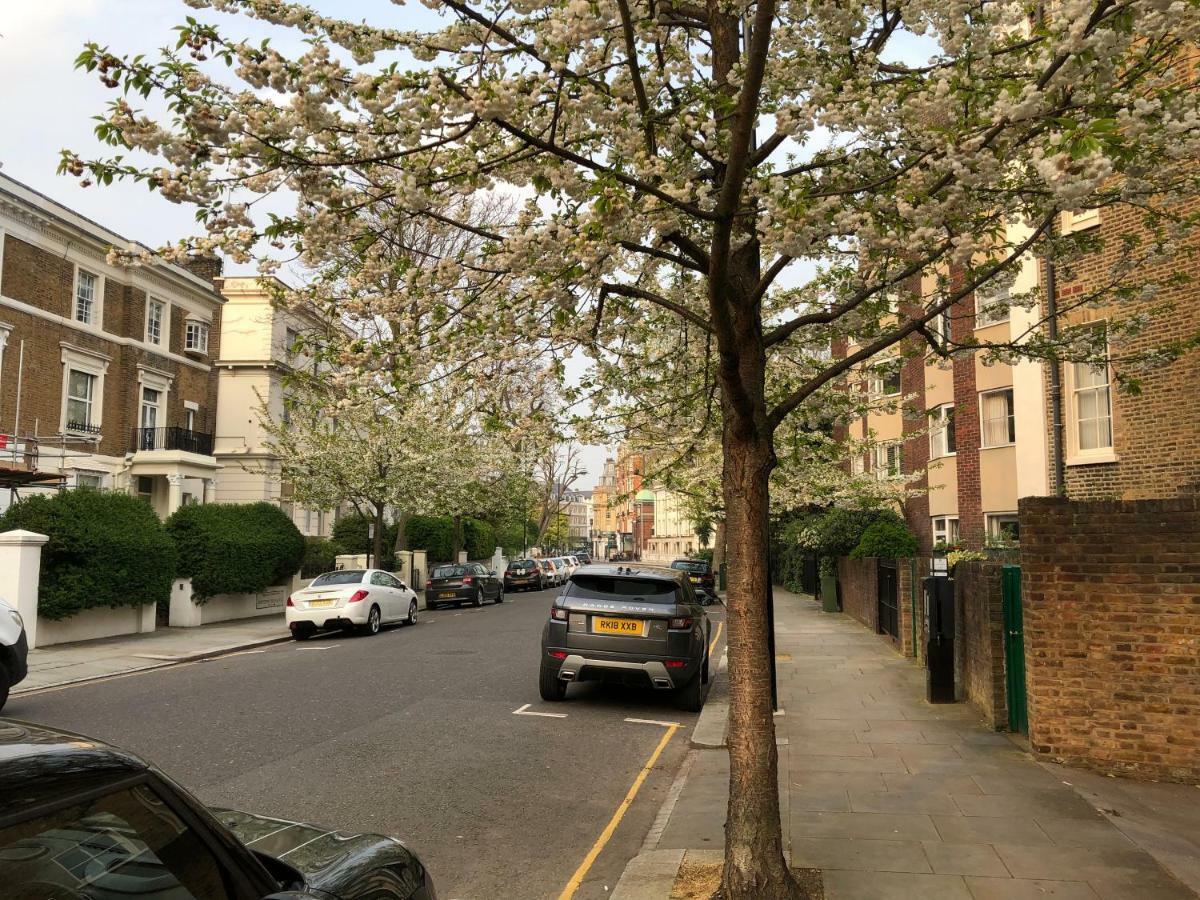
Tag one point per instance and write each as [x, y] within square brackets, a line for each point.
[637, 625]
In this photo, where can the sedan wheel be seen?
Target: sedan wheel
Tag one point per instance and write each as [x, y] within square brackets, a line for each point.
[500, 595]
[412, 612]
[477, 600]
[373, 622]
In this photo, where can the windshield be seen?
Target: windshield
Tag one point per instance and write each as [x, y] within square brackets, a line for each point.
[345, 576]
[688, 565]
[450, 572]
[609, 587]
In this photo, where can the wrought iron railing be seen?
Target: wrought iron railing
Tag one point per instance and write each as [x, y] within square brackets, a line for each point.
[19, 454]
[172, 437]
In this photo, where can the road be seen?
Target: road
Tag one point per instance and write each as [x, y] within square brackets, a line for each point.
[411, 733]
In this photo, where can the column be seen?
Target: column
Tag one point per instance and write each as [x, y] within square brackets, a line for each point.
[20, 566]
[174, 493]
[210, 490]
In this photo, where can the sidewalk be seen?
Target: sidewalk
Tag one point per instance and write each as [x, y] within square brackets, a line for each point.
[893, 798]
[61, 664]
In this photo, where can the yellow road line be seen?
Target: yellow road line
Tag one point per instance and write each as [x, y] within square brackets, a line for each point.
[716, 637]
[581, 873]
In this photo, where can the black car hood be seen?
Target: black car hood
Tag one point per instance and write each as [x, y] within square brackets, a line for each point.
[329, 860]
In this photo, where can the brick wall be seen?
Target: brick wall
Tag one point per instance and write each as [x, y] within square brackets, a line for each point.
[859, 583]
[966, 429]
[979, 640]
[1112, 633]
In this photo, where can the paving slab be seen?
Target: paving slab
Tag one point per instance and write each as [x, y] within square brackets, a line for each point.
[1013, 889]
[847, 885]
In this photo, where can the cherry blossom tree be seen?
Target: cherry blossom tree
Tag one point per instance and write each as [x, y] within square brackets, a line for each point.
[708, 197]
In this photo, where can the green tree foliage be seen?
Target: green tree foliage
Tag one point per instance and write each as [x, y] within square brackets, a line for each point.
[886, 538]
[351, 535]
[235, 548]
[105, 550]
[433, 534]
[320, 555]
[479, 539]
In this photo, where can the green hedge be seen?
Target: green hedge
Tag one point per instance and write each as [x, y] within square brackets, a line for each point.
[235, 548]
[320, 555]
[105, 550]
[886, 539]
[350, 533]
[479, 539]
[433, 534]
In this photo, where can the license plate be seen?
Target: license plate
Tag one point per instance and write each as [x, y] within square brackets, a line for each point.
[444, 594]
[312, 603]
[628, 627]
[695, 579]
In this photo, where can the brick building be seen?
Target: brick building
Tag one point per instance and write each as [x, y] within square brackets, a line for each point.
[106, 376]
[975, 437]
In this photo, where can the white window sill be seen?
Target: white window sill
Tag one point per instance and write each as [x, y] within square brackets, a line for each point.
[1092, 459]
[999, 446]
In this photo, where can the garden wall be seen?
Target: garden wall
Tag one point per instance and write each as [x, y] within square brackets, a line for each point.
[1111, 592]
[187, 613]
[859, 583]
[979, 639]
[100, 622]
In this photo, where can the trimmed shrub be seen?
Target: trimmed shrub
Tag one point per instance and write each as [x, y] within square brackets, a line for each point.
[105, 550]
[886, 539]
[351, 534]
[235, 548]
[479, 539]
[320, 555]
[433, 534]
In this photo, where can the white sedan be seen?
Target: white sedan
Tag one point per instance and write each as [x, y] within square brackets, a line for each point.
[362, 599]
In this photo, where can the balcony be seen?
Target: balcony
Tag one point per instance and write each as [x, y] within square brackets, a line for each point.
[172, 438]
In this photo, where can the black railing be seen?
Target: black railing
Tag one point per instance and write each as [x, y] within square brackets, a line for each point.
[173, 438]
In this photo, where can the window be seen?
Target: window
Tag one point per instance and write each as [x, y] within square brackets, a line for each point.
[941, 326]
[195, 337]
[945, 530]
[189, 419]
[991, 305]
[91, 480]
[145, 487]
[126, 843]
[1004, 528]
[86, 285]
[155, 314]
[885, 381]
[941, 431]
[1080, 221]
[291, 337]
[998, 425]
[885, 461]
[1091, 405]
[81, 394]
[149, 414]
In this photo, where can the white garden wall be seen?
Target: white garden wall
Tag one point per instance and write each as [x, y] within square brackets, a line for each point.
[96, 623]
[187, 613]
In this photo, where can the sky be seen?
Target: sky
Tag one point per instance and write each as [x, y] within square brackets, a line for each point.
[47, 105]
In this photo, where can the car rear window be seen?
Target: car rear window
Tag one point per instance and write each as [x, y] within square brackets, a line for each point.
[345, 576]
[522, 564]
[609, 587]
[450, 571]
[688, 565]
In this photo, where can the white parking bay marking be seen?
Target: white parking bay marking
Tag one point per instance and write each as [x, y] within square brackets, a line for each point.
[330, 647]
[526, 711]
[655, 722]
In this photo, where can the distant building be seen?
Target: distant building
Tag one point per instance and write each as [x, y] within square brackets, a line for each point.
[579, 512]
[106, 375]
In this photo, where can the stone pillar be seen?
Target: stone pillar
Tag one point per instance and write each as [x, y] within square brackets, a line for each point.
[403, 570]
[499, 563]
[185, 612]
[462, 556]
[210, 490]
[20, 570]
[174, 493]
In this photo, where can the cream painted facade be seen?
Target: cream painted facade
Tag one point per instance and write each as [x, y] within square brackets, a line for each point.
[674, 533]
[256, 356]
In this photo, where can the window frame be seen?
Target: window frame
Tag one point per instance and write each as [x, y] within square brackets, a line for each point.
[90, 400]
[163, 323]
[939, 446]
[1085, 219]
[983, 297]
[1012, 419]
[199, 328]
[947, 519]
[95, 319]
[993, 534]
[884, 472]
[877, 381]
[1075, 455]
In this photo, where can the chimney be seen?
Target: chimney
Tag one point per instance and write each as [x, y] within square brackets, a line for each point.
[207, 267]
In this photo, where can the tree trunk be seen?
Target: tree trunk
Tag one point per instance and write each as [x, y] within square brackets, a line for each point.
[401, 535]
[377, 549]
[458, 537]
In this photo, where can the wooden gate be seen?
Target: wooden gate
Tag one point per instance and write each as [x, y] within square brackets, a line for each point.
[1014, 650]
[889, 614]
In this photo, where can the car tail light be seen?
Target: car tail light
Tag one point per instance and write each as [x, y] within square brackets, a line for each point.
[466, 579]
[558, 612]
[290, 603]
[559, 654]
[358, 595]
[676, 663]
[429, 583]
[680, 623]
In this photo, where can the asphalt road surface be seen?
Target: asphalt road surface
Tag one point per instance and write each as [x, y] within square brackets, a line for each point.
[413, 732]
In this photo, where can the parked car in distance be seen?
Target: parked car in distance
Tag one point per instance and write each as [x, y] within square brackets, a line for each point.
[360, 599]
[585, 559]
[700, 573]
[568, 569]
[460, 583]
[555, 574]
[635, 625]
[524, 574]
[82, 819]
[14, 649]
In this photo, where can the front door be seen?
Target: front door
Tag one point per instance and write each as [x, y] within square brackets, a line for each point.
[1014, 649]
